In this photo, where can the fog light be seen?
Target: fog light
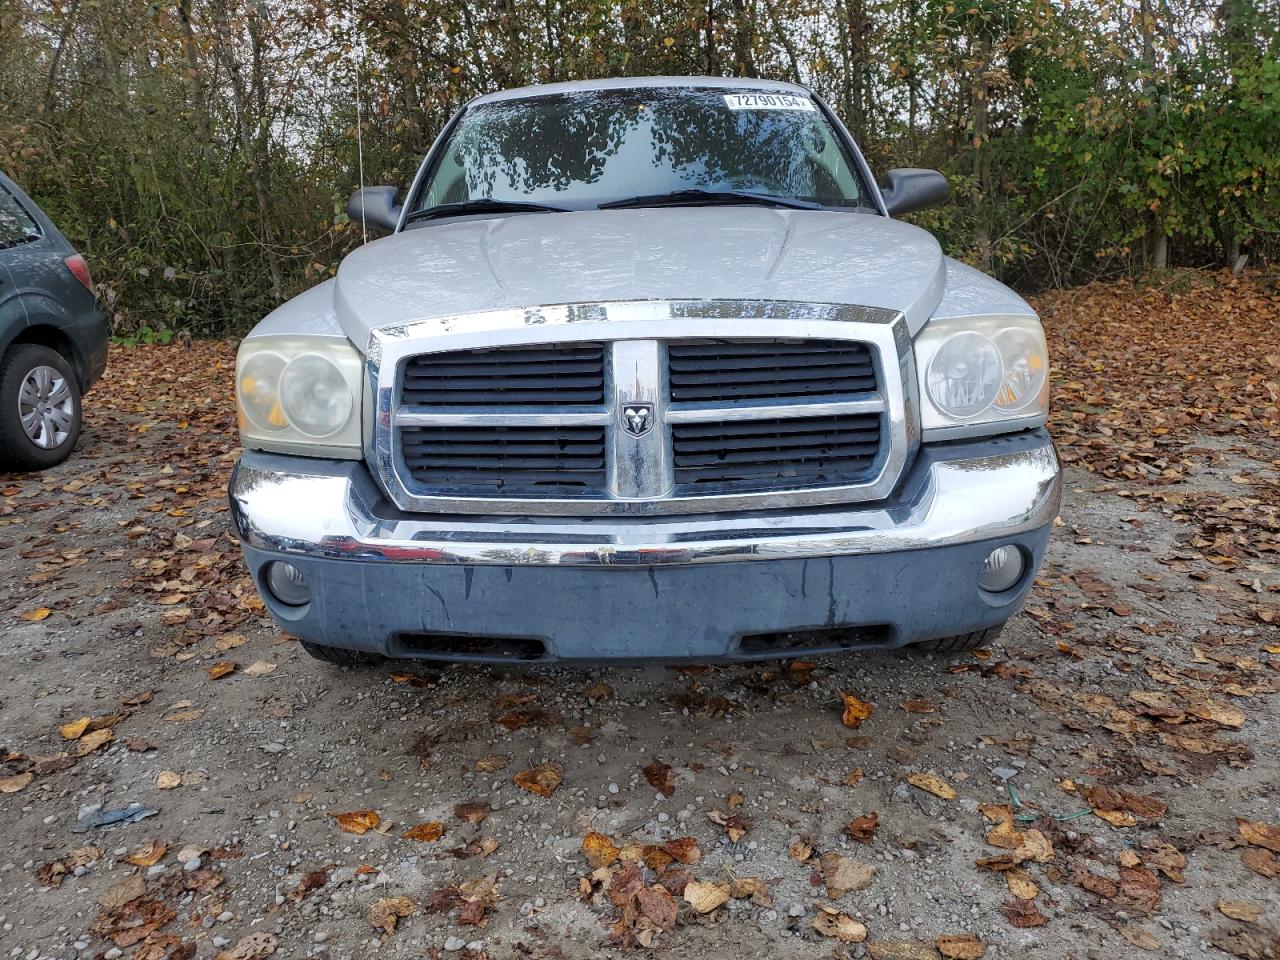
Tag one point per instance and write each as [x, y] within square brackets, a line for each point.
[1002, 569]
[287, 584]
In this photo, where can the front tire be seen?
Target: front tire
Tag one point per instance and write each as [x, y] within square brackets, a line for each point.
[39, 408]
[961, 643]
[343, 658]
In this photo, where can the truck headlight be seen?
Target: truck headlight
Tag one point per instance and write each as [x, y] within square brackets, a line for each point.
[982, 375]
[300, 394]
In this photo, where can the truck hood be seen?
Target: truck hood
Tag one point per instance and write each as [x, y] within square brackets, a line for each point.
[681, 253]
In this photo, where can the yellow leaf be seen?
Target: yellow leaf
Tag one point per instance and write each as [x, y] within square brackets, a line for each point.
[541, 780]
[168, 779]
[358, 822]
[599, 850]
[855, 711]
[1021, 885]
[705, 897]
[92, 741]
[221, 669]
[932, 784]
[32, 616]
[75, 729]
[148, 855]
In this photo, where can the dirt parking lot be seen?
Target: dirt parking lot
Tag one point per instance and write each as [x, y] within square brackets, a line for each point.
[1103, 781]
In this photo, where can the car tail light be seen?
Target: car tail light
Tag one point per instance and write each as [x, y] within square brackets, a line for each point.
[75, 263]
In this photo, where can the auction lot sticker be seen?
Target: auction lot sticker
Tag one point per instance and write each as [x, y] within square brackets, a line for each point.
[768, 101]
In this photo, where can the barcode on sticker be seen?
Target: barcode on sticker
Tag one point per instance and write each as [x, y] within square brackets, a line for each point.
[767, 101]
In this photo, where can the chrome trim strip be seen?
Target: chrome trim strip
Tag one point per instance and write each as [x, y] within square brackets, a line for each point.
[321, 510]
[634, 328]
[417, 417]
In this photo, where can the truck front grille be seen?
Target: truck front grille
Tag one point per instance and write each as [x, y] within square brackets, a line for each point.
[756, 405]
[559, 373]
[704, 371]
[764, 454]
[506, 460]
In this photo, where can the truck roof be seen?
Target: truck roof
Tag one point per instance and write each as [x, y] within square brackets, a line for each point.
[631, 83]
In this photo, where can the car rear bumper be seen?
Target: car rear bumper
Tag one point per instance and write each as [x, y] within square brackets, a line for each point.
[476, 588]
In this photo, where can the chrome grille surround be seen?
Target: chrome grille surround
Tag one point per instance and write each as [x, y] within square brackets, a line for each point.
[640, 477]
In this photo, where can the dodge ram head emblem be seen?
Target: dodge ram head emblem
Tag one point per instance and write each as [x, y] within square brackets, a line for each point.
[637, 418]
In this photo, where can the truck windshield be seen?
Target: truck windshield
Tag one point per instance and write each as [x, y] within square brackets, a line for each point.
[642, 147]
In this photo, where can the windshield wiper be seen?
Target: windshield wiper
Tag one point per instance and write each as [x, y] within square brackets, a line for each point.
[695, 198]
[480, 205]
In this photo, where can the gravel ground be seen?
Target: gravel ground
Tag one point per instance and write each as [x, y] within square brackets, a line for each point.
[127, 549]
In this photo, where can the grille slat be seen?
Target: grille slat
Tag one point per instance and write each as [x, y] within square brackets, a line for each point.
[561, 375]
[709, 371]
[806, 450]
[505, 460]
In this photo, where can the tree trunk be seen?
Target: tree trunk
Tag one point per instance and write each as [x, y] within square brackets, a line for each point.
[981, 155]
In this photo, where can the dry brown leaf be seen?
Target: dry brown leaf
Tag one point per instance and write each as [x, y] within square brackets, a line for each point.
[1023, 913]
[228, 641]
[425, 832]
[386, 913]
[75, 729]
[1259, 834]
[705, 897]
[842, 874]
[661, 777]
[168, 779]
[919, 706]
[901, 950]
[656, 904]
[1260, 861]
[358, 822]
[221, 669]
[1241, 910]
[741, 888]
[184, 716]
[855, 711]
[683, 850]
[840, 926]
[254, 946]
[1021, 885]
[1005, 835]
[19, 781]
[800, 851]
[1139, 938]
[863, 828]
[91, 741]
[148, 855]
[960, 946]
[932, 784]
[492, 763]
[1205, 707]
[36, 615]
[260, 668]
[599, 850]
[125, 891]
[473, 811]
[601, 691]
[541, 780]
[854, 778]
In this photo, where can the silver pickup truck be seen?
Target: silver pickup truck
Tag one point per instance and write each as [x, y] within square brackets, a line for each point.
[645, 369]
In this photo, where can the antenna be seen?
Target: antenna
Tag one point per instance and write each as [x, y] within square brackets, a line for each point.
[364, 230]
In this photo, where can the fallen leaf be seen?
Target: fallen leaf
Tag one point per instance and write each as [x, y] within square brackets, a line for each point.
[800, 851]
[599, 850]
[127, 890]
[1021, 885]
[168, 779]
[1121, 808]
[358, 822]
[960, 946]
[492, 763]
[541, 780]
[1205, 707]
[91, 741]
[661, 777]
[656, 904]
[683, 850]
[901, 950]
[1139, 938]
[1023, 913]
[1258, 834]
[260, 668]
[854, 778]
[705, 897]
[254, 946]
[855, 711]
[36, 615]
[932, 784]
[385, 913]
[1241, 910]
[863, 828]
[16, 782]
[1262, 862]
[601, 691]
[184, 716]
[221, 669]
[840, 926]
[425, 832]
[228, 641]
[473, 811]
[75, 729]
[742, 888]
[842, 874]
[148, 855]
[919, 706]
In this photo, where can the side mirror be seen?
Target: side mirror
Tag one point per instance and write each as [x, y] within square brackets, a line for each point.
[911, 188]
[375, 207]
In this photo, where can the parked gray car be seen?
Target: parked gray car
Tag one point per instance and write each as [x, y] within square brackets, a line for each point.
[53, 338]
[646, 369]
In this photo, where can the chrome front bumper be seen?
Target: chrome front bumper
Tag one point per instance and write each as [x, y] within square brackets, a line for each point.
[954, 494]
[738, 586]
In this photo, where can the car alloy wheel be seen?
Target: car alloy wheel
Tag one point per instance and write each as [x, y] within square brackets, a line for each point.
[46, 407]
